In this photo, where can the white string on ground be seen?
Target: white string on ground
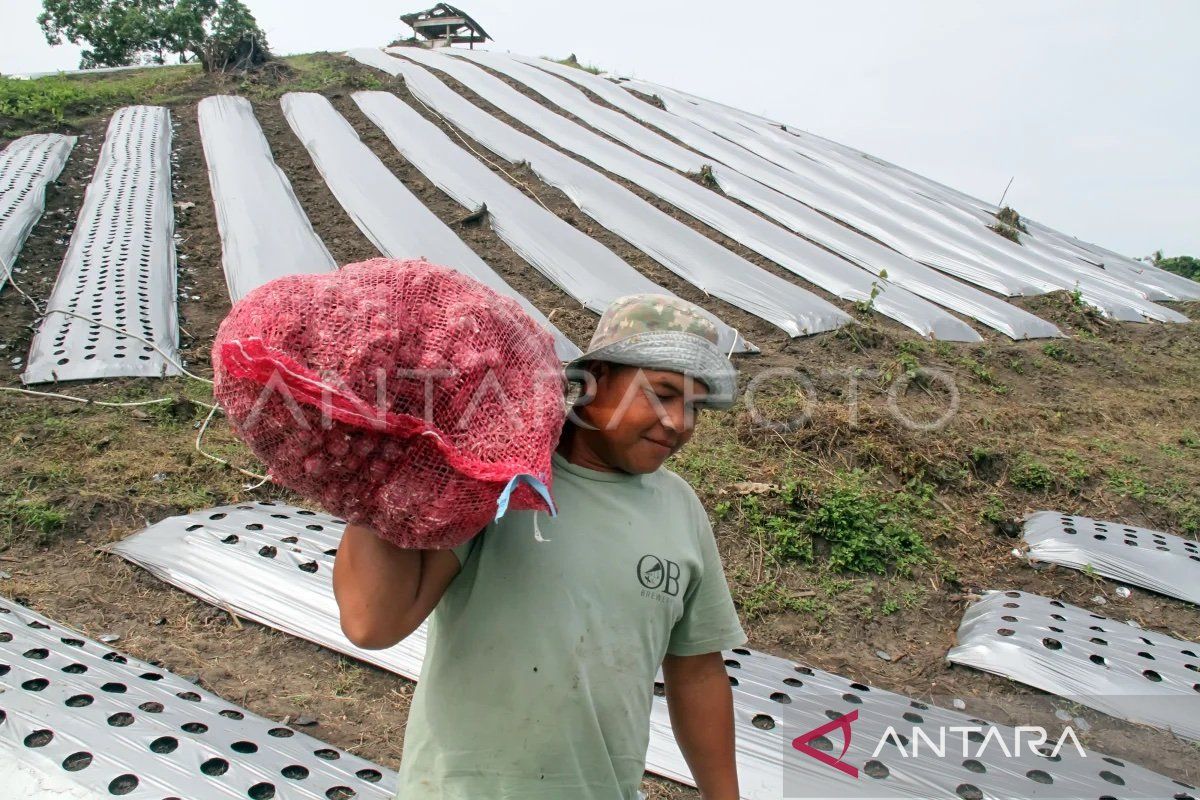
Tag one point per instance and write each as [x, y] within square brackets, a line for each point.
[8, 274]
[104, 403]
[200, 436]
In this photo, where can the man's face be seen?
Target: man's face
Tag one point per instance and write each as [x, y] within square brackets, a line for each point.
[639, 417]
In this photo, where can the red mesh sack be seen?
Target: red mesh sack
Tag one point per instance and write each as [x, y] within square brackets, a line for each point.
[397, 394]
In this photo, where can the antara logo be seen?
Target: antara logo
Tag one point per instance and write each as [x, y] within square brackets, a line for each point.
[843, 723]
[1034, 739]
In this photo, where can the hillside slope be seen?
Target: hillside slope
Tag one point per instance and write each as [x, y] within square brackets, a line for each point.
[1104, 423]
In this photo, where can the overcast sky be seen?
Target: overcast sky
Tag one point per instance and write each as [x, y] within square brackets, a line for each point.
[1093, 107]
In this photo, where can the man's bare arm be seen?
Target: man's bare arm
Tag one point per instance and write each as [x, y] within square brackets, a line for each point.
[384, 592]
[701, 706]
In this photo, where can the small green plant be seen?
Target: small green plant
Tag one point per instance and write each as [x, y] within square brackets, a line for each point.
[865, 307]
[1127, 484]
[993, 511]
[1190, 440]
[1056, 351]
[1030, 475]
[1077, 296]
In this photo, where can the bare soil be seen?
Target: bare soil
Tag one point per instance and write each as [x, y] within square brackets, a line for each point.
[1112, 413]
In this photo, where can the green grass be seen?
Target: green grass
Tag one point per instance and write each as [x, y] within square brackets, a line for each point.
[571, 61]
[1031, 475]
[57, 99]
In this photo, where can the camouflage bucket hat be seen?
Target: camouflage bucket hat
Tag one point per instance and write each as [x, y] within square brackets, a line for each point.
[656, 331]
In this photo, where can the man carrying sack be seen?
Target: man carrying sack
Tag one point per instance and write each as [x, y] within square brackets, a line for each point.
[546, 633]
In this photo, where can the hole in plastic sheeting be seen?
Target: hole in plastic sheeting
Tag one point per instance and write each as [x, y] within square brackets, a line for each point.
[217, 516]
[915, 719]
[331, 553]
[1151, 675]
[191, 697]
[261, 791]
[876, 769]
[1115, 762]
[77, 761]
[4, 669]
[370, 775]
[281, 733]
[1144, 654]
[80, 700]
[229, 713]
[1058, 617]
[852, 698]
[917, 704]
[1039, 776]
[1057, 630]
[793, 682]
[75, 669]
[294, 772]
[1095, 659]
[1005, 631]
[245, 748]
[231, 539]
[780, 697]
[122, 719]
[37, 653]
[215, 766]
[968, 792]
[1009, 618]
[322, 527]
[123, 784]
[741, 651]
[116, 658]
[1112, 777]
[971, 765]
[254, 526]
[729, 662]
[114, 687]
[35, 684]
[1057, 604]
[660, 690]
[164, 744]
[39, 625]
[340, 793]
[1012, 594]
[290, 539]
[733, 681]
[194, 727]
[763, 722]
[72, 642]
[859, 687]
[5, 636]
[39, 738]
[1052, 644]
[267, 551]
[803, 670]
[308, 566]
[327, 754]
[151, 676]
[195, 527]
[151, 707]
[975, 736]
[1099, 641]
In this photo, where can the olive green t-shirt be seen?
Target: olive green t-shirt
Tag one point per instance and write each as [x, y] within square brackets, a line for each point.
[539, 672]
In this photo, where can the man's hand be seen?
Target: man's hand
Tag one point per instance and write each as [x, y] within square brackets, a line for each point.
[384, 592]
[701, 706]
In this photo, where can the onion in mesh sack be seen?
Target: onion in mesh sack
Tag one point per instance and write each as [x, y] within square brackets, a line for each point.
[397, 394]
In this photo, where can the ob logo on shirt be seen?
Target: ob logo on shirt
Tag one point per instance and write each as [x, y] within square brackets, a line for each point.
[658, 576]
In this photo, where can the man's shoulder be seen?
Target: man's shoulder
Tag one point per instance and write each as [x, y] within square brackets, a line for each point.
[676, 484]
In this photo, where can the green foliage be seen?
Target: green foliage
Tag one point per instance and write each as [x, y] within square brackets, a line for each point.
[53, 99]
[21, 513]
[1187, 266]
[867, 306]
[1030, 475]
[993, 511]
[1056, 351]
[218, 33]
